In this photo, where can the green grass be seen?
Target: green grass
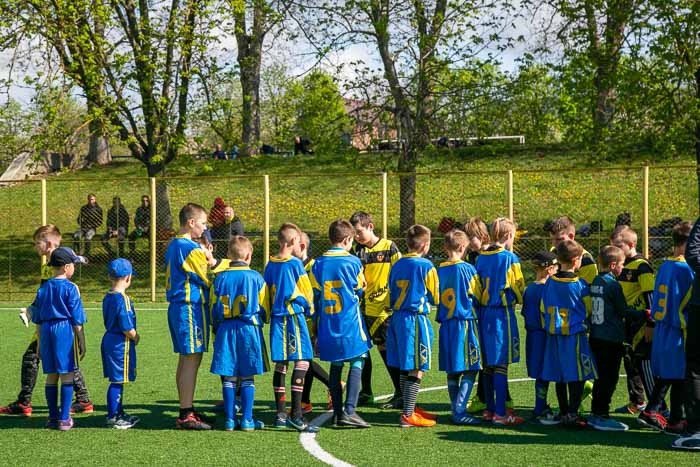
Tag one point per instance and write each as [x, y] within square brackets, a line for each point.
[154, 441]
[314, 190]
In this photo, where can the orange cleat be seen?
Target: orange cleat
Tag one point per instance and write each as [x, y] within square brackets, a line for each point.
[415, 420]
[425, 414]
[507, 420]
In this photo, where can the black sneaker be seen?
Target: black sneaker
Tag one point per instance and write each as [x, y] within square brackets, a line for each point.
[396, 402]
[353, 420]
[652, 420]
[300, 425]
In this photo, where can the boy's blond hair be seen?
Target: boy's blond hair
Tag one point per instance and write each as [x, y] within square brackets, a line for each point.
[416, 236]
[476, 228]
[238, 247]
[339, 230]
[47, 231]
[610, 254]
[562, 224]
[287, 232]
[500, 228]
[454, 239]
[567, 251]
[625, 234]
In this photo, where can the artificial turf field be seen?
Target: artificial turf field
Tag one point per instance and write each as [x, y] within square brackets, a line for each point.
[155, 441]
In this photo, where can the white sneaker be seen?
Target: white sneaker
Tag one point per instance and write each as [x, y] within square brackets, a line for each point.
[689, 443]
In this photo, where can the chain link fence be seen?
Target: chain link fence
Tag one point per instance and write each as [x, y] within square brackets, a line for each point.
[593, 198]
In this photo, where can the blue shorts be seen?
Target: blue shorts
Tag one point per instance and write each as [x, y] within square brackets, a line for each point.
[58, 347]
[118, 358]
[189, 327]
[500, 341]
[409, 342]
[290, 339]
[239, 350]
[568, 359]
[668, 352]
[534, 352]
[459, 346]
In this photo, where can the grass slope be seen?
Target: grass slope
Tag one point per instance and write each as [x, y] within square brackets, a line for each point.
[154, 441]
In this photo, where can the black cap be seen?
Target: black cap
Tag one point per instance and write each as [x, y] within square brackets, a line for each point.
[64, 255]
[544, 259]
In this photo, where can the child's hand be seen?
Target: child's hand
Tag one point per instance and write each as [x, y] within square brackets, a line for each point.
[81, 344]
[136, 339]
[25, 316]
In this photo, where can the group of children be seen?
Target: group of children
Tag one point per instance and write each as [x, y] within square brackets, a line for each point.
[580, 324]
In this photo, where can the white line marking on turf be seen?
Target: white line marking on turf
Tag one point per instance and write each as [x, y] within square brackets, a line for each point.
[308, 440]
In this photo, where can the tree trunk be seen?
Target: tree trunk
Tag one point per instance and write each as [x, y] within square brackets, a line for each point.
[407, 184]
[164, 217]
[250, 87]
[99, 152]
[604, 104]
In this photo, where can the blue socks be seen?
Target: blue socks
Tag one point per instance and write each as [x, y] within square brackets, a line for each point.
[500, 384]
[66, 399]
[453, 390]
[353, 389]
[541, 388]
[229, 392]
[51, 392]
[465, 390]
[247, 398]
[114, 400]
[488, 390]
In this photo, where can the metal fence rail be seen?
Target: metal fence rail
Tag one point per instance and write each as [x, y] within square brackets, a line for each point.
[653, 197]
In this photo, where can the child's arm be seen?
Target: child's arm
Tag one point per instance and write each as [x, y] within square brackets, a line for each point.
[264, 303]
[80, 334]
[133, 335]
[432, 286]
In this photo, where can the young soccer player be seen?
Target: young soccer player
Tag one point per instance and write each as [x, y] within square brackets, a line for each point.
[563, 228]
[502, 287]
[315, 369]
[566, 306]
[672, 292]
[413, 287]
[478, 235]
[240, 305]
[46, 239]
[460, 351]
[637, 281]
[187, 290]
[377, 256]
[119, 342]
[59, 316]
[608, 314]
[337, 280]
[290, 341]
[545, 264]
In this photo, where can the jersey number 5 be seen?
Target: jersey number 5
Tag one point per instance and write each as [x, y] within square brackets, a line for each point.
[331, 295]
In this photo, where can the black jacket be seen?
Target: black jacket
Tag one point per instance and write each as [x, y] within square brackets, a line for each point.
[117, 218]
[90, 217]
[692, 256]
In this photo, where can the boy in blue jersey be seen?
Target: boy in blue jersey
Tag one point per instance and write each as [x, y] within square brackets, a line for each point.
[565, 308]
[337, 280]
[413, 288]
[608, 314]
[59, 315]
[672, 290]
[187, 290]
[240, 305]
[291, 300]
[119, 343]
[502, 286]
[460, 351]
[545, 264]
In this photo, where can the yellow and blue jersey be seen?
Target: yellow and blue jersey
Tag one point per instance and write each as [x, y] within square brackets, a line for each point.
[337, 280]
[531, 306]
[460, 290]
[413, 285]
[118, 313]
[58, 299]
[186, 278]
[240, 293]
[672, 291]
[377, 261]
[588, 269]
[289, 287]
[566, 305]
[502, 281]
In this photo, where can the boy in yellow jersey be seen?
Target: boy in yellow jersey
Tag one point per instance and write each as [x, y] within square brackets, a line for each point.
[377, 256]
[563, 228]
[46, 239]
[637, 282]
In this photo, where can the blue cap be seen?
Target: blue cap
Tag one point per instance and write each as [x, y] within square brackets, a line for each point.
[64, 255]
[120, 267]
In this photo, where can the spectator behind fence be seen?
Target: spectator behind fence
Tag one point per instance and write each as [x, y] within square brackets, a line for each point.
[219, 153]
[222, 233]
[216, 213]
[117, 226]
[233, 155]
[302, 145]
[89, 220]
[142, 222]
